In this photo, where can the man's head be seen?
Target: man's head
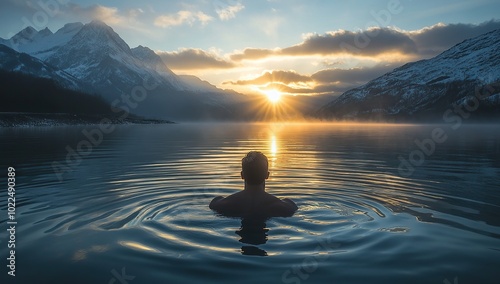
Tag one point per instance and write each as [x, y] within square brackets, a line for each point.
[254, 168]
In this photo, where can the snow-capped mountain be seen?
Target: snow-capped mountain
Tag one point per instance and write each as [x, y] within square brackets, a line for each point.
[152, 61]
[426, 88]
[96, 55]
[13, 61]
[44, 43]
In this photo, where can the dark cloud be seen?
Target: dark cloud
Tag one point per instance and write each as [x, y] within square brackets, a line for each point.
[189, 59]
[435, 39]
[276, 76]
[378, 40]
[371, 42]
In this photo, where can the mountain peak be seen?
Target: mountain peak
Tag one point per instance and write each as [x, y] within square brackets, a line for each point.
[45, 32]
[26, 33]
[97, 34]
[144, 51]
[98, 23]
[150, 58]
[100, 26]
[24, 36]
[28, 30]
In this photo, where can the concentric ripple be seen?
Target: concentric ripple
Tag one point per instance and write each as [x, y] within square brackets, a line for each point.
[140, 200]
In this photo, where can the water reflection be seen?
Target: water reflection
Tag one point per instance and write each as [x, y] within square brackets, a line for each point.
[273, 151]
[274, 148]
[253, 231]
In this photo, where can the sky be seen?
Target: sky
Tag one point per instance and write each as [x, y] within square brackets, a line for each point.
[273, 46]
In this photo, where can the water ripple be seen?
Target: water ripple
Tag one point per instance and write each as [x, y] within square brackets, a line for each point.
[151, 191]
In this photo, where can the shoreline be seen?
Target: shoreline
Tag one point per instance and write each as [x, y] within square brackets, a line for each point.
[17, 119]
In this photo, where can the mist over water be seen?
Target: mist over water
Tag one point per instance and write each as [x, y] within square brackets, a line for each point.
[139, 202]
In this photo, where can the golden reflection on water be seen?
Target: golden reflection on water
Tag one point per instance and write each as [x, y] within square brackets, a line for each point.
[138, 246]
[273, 150]
[274, 146]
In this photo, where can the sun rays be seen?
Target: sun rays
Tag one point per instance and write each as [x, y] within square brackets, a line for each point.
[273, 106]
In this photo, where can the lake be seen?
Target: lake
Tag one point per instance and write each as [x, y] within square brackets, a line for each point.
[378, 203]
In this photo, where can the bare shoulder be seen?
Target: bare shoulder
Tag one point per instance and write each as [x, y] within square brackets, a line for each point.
[282, 207]
[220, 203]
[215, 203]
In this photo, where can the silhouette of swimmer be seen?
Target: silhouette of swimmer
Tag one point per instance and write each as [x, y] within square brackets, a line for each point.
[254, 201]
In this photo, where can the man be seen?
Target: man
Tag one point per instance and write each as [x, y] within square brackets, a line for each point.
[254, 201]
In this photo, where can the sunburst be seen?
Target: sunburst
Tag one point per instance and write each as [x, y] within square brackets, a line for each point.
[273, 95]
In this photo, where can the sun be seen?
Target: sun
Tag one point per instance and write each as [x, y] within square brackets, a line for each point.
[273, 95]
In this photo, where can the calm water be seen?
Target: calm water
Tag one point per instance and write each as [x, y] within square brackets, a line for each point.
[135, 210]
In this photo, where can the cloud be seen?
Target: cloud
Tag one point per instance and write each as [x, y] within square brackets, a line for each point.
[277, 76]
[181, 18]
[253, 54]
[324, 81]
[338, 43]
[376, 41]
[109, 15]
[437, 38]
[228, 12]
[370, 42]
[286, 89]
[191, 59]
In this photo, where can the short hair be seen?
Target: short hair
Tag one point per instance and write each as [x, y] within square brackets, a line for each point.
[255, 167]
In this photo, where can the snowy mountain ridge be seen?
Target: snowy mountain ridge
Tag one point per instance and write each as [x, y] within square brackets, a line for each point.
[425, 86]
[97, 56]
[11, 60]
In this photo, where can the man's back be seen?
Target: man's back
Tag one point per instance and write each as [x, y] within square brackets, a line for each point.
[248, 203]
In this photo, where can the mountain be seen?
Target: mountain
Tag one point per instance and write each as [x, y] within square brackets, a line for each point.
[97, 56]
[426, 89]
[196, 84]
[152, 61]
[44, 43]
[13, 61]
